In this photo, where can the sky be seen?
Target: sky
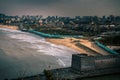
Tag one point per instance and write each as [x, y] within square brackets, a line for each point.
[69, 8]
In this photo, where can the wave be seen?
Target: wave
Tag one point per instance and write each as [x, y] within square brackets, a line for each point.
[61, 53]
[41, 45]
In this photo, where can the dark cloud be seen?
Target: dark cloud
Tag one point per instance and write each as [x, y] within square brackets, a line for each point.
[60, 7]
[29, 2]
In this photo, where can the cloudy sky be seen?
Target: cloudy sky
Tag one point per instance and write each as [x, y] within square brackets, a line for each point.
[60, 7]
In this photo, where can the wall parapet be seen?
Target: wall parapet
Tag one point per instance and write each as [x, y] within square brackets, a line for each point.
[93, 63]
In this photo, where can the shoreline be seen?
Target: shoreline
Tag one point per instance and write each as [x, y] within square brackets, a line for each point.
[65, 41]
[70, 43]
[20, 51]
[18, 54]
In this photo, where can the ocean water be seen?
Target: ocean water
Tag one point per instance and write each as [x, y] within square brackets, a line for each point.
[16, 62]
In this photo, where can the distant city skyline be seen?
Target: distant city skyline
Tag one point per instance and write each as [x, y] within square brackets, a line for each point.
[69, 8]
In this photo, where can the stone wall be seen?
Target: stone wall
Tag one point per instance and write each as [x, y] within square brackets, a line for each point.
[82, 63]
[109, 61]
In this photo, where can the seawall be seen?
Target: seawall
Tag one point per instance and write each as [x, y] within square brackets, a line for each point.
[106, 48]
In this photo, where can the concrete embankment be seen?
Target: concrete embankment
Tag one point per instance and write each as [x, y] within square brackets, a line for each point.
[53, 35]
[106, 48]
[90, 51]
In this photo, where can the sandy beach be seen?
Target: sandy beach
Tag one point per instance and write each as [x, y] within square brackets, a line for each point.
[71, 43]
[9, 27]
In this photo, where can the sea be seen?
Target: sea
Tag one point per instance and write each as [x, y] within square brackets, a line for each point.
[26, 54]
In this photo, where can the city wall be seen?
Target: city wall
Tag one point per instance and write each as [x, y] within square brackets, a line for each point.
[99, 64]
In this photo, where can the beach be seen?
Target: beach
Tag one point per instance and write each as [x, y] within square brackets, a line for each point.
[71, 43]
[68, 42]
[9, 27]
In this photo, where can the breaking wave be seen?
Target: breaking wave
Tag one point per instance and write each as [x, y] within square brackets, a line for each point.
[61, 53]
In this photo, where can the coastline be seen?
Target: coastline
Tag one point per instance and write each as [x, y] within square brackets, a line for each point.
[22, 53]
[70, 43]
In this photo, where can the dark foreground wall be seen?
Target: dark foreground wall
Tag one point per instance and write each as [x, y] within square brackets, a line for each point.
[95, 64]
[88, 66]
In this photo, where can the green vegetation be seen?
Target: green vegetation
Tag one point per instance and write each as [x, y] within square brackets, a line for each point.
[55, 30]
